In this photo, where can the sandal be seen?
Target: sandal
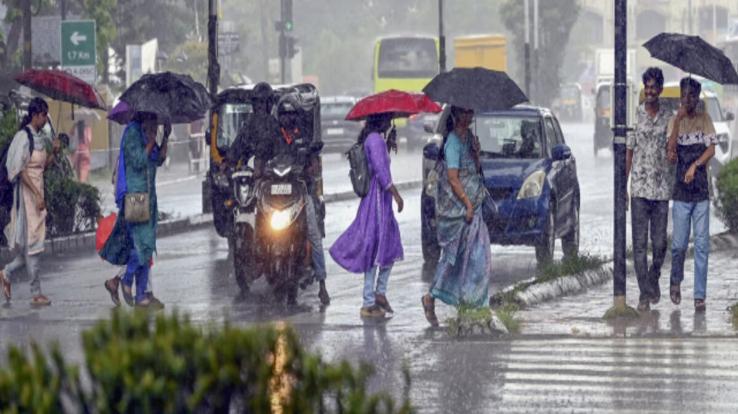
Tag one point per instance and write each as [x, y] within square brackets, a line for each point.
[111, 285]
[40, 300]
[127, 292]
[429, 307]
[381, 301]
[676, 294]
[7, 287]
[699, 305]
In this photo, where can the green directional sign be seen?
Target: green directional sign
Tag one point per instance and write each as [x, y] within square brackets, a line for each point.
[78, 48]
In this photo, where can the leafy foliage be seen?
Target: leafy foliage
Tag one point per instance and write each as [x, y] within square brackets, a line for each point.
[727, 200]
[72, 207]
[556, 19]
[169, 365]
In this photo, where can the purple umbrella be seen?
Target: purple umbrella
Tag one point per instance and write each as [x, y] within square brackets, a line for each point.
[121, 113]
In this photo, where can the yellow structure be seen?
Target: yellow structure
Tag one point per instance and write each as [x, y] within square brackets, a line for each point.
[487, 51]
[61, 117]
[405, 63]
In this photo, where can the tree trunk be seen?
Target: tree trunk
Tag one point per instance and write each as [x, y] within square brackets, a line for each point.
[27, 40]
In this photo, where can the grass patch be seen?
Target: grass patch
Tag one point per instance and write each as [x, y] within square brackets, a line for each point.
[506, 314]
[567, 267]
[470, 320]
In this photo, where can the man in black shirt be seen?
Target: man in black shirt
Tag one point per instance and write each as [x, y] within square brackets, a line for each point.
[691, 145]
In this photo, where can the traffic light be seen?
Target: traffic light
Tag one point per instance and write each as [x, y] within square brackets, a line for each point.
[287, 23]
[287, 47]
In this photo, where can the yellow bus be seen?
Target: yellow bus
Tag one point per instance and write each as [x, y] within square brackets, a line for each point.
[487, 51]
[405, 63]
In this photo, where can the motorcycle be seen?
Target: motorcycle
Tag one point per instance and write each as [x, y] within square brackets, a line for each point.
[270, 226]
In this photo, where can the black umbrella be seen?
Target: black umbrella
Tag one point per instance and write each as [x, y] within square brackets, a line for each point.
[479, 89]
[171, 96]
[693, 55]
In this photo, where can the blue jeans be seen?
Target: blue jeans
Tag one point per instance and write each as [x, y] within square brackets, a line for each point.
[138, 271]
[369, 283]
[316, 240]
[696, 215]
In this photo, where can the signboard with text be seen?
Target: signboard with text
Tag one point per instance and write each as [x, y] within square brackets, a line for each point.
[79, 49]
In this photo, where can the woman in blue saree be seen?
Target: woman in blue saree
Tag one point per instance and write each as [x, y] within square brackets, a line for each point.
[462, 274]
[133, 244]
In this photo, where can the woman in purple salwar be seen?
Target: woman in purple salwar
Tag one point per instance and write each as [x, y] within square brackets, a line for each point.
[372, 244]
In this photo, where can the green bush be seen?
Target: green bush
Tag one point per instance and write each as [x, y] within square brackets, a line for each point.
[727, 199]
[135, 365]
[72, 207]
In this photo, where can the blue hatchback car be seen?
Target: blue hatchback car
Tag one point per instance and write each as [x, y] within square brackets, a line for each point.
[530, 173]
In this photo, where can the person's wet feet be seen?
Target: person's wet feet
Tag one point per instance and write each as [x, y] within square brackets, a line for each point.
[40, 301]
[150, 302]
[111, 285]
[381, 301]
[372, 312]
[429, 307]
[127, 292]
[325, 299]
[676, 294]
[6, 285]
[656, 292]
[644, 305]
[699, 305]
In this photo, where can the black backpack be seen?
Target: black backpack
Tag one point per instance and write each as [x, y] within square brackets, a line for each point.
[6, 186]
[359, 172]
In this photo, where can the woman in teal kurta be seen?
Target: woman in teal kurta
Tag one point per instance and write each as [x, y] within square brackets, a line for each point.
[133, 244]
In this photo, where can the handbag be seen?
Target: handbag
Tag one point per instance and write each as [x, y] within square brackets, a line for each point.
[136, 205]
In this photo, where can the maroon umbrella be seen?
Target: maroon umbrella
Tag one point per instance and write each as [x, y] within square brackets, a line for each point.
[397, 103]
[61, 86]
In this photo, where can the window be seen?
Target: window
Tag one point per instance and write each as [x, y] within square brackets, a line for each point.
[550, 133]
[408, 57]
[231, 118]
[559, 134]
[509, 136]
[336, 110]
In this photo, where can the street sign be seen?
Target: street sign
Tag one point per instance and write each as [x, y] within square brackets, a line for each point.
[229, 42]
[78, 49]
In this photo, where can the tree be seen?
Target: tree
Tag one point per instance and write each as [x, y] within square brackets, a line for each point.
[556, 18]
[191, 58]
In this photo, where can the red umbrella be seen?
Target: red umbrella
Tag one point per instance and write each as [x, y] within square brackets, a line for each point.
[61, 86]
[397, 103]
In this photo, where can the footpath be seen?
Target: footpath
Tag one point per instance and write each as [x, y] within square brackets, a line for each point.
[581, 315]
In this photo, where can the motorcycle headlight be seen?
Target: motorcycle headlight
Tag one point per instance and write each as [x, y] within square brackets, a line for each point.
[281, 219]
[532, 186]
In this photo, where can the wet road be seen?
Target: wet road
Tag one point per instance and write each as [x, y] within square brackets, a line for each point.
[528, 374]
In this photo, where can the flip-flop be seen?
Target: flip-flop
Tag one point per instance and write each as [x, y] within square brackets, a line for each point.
[127, 294]
[40, 300]
[430, 312]
[113, 292]
[7, 287]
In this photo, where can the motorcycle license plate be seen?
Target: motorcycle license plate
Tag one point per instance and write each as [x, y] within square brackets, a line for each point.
[334, 131]
[281, 189]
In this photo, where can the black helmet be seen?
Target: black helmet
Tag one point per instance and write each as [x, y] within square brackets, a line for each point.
[262, 90]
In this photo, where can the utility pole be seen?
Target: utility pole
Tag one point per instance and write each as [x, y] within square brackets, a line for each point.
[27, 39]
[526, 52]
[286, 42]
[63, 8]
[689, 16]
[441, 40]
[213, 65]
[620, 180]
[536, 82]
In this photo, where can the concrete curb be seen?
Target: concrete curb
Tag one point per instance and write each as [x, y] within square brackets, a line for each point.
[574, 284]
[86, 241]
[567, 285]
